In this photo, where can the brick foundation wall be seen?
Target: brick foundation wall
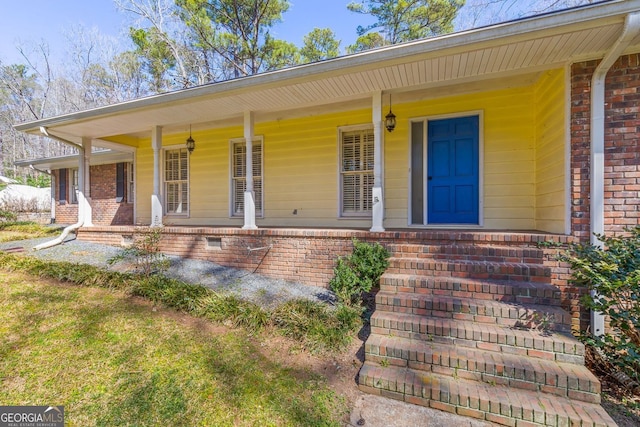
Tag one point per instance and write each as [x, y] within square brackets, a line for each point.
[309, 256]
[622, 151]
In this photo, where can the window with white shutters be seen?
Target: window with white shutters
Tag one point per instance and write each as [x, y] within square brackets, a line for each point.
[176, 181]
[356, 172]
[239, 176]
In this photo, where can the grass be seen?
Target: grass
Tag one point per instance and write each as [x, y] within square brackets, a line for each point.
[317, 326]
[79, 336]
[19, 230]
[113, 359]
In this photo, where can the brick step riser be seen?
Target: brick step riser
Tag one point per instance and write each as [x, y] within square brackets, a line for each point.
[473, 311]
[494, 271]
[495, 407]
[545, 349]
[558, 383]
[485, 320]
[470, 253]
[486, 292]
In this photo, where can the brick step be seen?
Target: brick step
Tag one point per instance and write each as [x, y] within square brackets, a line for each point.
[497, 290]
[549, 318]
[495, 403]
[470, 269]
[474, 252]
[558, 346]
[562, 379]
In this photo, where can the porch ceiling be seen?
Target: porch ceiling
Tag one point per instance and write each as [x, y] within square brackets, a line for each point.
[510, 50]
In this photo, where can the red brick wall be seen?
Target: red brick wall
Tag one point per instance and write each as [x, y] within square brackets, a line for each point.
[622, 151]
[106, 210]
[66, 213]
[309, 256]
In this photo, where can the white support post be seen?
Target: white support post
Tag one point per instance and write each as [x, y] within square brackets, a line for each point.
[156, 203]
[80, 190]
[249, 201]
[85, 189]
[377, 214]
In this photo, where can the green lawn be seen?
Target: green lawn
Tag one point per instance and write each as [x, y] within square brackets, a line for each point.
[112, 359]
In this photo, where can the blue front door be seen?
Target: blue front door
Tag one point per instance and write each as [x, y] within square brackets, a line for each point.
[452, 171]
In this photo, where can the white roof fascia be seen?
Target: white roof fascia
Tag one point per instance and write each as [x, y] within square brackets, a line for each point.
[541, 25]
[71, 160]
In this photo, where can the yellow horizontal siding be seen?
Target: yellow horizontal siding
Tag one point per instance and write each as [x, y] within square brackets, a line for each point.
[550, 153]
[521, 173]
[509, 140]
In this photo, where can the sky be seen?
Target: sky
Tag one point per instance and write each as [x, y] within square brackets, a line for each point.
[24, 22]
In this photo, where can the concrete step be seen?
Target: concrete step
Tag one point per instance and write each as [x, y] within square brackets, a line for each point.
[497, 290]
[546, 318]
[470, 269]
[522, 372]
[549, 345]
[470, 252]
[495, 403]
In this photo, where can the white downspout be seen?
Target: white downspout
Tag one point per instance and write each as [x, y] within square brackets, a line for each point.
[81, 167]
[629, 32]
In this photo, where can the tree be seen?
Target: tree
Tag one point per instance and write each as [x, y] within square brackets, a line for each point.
[404, 20]
[478, 13]
[238, 31]
[366, 42]
[320, 44]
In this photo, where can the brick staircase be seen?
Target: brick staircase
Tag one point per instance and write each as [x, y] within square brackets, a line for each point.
[471, 324]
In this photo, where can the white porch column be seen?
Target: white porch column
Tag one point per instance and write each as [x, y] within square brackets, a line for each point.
[377, 214]
[156, 203]
[86, 188]
[80, 191]
[249, 201]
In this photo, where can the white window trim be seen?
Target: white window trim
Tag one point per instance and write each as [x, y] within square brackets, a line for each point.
[341, 213]
[257, 139]
[74, 186]
[164, 182]
[131, 182]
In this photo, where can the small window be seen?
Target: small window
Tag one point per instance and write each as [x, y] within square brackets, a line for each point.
[176, 181]
[356, 172]
[239, 176]
[74, 185]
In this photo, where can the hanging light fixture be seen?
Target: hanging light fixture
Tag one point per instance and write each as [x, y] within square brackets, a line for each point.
[191, 144]
[390, 119]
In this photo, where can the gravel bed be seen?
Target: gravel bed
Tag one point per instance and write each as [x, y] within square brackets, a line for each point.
[257, 288]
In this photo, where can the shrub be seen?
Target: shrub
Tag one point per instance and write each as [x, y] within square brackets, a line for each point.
[145, 251]
[358, 272]
[7, 216]
[613, 272]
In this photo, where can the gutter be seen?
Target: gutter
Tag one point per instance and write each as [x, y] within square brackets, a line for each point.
[80, 221]
[598, 102]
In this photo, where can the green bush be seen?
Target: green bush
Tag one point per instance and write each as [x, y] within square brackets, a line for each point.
[145, 251]
[358, 272]
[7, 216]
[613, 272]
